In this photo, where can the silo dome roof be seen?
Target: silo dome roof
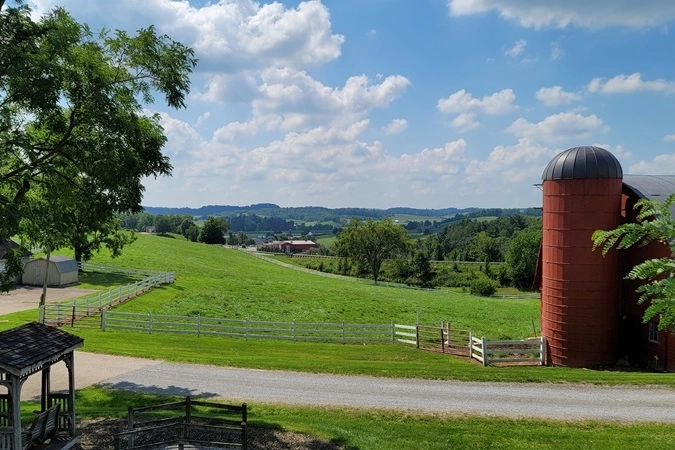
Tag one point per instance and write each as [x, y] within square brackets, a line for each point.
[583, 162]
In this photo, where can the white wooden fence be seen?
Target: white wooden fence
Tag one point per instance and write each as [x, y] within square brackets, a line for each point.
[509, 352]
[292, 331]
[68, 310]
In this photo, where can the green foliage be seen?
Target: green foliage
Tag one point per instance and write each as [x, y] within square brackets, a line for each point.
[213, 231]
[521, 257]
[73, 132]
[483, 286]
[654, 223]
[10, 270]
[369, 243]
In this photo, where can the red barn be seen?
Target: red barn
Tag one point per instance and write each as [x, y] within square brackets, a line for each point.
[589, 312]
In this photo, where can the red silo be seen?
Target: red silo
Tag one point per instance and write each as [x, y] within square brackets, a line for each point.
[580, 289]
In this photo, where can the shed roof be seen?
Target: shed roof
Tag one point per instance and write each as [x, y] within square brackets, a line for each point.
[583, 162]
[29, 347]
[6, 246]
[653, 187]
[63, 264]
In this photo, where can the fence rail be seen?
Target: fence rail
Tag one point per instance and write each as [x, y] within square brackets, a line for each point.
[508, 352]
[248, 329]
[68, 311]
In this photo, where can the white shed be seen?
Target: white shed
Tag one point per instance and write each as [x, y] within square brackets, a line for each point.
[62, 271]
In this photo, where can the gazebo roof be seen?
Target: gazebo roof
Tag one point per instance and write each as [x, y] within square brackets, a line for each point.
[29, 348]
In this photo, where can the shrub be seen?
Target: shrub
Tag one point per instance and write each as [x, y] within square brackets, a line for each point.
[483, 287]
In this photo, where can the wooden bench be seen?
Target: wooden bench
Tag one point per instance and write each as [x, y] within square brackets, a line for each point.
[43, 428]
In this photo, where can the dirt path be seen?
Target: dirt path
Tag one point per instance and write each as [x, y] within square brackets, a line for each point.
[536, 400]
[28, 297]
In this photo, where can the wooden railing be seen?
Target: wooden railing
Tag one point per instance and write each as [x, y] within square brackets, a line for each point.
[508, 352]
[248, 329]
[180, 424]
[68, 311]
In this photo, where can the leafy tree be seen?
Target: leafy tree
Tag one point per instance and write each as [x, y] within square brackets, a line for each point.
[10, 269]
[163, 224]
[213, 231]
[521, 257]
[654, 223]
[369, 243]
[70, 109]
[192, 233]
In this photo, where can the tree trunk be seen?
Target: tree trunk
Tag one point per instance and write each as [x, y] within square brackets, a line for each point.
[43, 297]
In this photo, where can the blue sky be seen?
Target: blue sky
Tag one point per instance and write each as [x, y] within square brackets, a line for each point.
[420, 103]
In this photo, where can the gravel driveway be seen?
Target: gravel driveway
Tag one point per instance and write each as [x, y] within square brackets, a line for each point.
[537, 400]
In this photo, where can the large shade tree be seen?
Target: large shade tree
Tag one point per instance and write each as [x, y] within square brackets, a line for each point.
[371, 242]
[71, 114]
[655, 223]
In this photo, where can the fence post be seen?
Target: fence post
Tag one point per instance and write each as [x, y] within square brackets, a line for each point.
[485, 353]
[100, 300]
[343, 333]
[199, 325]
[150, 323]
[542, 350]
[470, 345]
[41, 314]
[247, 328]
[393, 332]
[443, 337]
[417, 335]
[103, 311]
[293, 330]
[72, 318]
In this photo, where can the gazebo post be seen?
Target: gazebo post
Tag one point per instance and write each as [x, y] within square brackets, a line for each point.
[46, 388]
[15, 399]
[70, 364]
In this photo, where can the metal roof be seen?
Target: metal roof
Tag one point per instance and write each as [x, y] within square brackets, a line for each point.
[583, 162]
[653, 187]
[63, 264]
[32, 346]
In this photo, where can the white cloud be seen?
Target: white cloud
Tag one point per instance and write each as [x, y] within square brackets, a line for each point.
[465, 122]
[557, 52]
[510, 164]
[517, 49]
[396, 126]
[626, 84]
[227, 35]
[294, 100]
[466, 106]
[555, 96]
[618, 150]
[669, 138]
[229, 88]
[661, 165]
[559, 127]
[581, 13]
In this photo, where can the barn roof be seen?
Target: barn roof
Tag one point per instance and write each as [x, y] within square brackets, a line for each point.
[583, 162]
[653, 187]
[27, 348]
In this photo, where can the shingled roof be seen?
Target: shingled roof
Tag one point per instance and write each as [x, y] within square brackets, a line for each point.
[28, 348]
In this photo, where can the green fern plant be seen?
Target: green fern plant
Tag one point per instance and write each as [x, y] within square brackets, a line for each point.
[654, 223]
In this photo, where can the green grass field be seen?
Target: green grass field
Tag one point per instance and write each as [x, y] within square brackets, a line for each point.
[215, 281]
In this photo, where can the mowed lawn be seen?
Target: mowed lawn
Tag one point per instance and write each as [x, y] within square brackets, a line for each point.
[218, 282]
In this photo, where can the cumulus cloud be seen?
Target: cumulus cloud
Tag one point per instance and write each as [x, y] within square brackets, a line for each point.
[581, 13]
[627, 84]
[559, 127]
[669, 138]
[557, 52]
[554, 96]
[517, 49]
[466, 106]
[293, 99]
[229, 34]
[511, 164]
[661, 165]
[396, 126]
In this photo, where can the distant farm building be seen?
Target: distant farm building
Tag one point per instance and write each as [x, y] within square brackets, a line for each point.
[6, 247]
[62, 271]
[292, 246]
[589, 313]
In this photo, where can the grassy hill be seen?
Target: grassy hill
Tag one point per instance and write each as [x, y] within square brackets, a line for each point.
[218, 282]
